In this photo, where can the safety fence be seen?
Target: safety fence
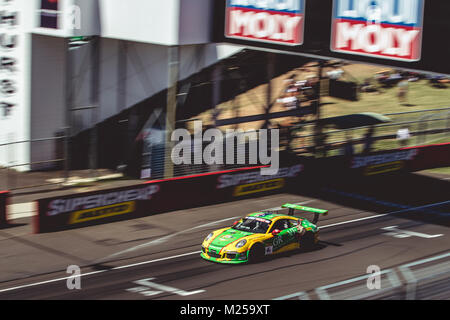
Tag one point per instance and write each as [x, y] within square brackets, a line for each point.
[52, 155]
[424, 127]
[48, 154]
[426, 279]
[49, 165]
[225, 152]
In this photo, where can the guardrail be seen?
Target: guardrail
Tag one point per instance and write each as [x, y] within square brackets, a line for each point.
[424, 279]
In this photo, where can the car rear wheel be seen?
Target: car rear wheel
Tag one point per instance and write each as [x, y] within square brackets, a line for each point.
[308, 241]
[256, 253]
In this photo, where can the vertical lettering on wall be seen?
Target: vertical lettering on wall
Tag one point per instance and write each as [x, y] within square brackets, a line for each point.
[49, 14]
[9, 23]
[389, 29]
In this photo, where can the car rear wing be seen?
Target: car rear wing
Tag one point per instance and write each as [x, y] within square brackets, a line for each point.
[317, 212]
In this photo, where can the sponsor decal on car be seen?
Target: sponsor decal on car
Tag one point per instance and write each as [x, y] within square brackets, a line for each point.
[102, 212]
[259, 219]
[274, 21]
[390, 29]
[277, 243]
[258, 187]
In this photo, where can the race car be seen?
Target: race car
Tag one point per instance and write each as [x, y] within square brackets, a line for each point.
[261, 234]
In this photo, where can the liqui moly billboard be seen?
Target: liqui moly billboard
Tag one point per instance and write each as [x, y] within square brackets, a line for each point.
[273, 21]
[390, 29]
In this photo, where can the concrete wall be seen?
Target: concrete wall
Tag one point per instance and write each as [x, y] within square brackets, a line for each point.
[140, 20]
[136, 35]
[47, 94]
[130, 72]
[195, 21]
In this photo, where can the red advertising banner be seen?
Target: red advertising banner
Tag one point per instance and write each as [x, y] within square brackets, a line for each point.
[280, 22]
[390, 29]
[404, 34]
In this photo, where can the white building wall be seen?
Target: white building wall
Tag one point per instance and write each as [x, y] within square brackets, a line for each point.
[15, 85]
[47, 95]
[195, 21]
[148, 27]
[150, 21]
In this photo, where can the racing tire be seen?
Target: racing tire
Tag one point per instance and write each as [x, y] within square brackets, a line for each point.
[308, 241]
[256, 253]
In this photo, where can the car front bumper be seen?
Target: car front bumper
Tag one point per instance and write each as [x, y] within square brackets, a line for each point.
[241, 258]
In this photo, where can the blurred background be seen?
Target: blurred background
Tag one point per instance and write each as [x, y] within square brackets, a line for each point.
[89, 91]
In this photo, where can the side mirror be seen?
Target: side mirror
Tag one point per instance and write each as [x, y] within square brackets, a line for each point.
[276, 232]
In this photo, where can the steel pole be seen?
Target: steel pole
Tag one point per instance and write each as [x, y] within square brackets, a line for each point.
[95, 99]
[68, 107]
[173, 71]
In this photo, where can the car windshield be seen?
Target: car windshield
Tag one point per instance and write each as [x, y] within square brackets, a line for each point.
[251, 224]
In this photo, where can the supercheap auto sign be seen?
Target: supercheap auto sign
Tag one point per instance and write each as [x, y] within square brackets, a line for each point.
[273, 21]
[390, 29]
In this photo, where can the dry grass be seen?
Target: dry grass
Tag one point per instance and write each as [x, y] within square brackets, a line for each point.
[420, 96]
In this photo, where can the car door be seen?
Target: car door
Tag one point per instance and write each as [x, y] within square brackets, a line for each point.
[286, 235]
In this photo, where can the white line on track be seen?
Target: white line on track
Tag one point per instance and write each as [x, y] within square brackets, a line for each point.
[165, 238]
[100, 271]
[48, 281]
[387, 214]
[197, 252]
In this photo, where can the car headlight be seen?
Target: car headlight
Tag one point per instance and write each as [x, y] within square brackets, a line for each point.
[241, 243]
[209, 236]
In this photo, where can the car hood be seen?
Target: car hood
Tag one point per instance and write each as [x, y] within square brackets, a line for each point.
[228, 236]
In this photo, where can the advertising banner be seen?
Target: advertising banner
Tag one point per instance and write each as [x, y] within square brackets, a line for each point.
[402, 160]
[383, 162]
[157, 196]
[405, 34]
[389, 29]
[430, 157]
[3, 205]
[273, 21]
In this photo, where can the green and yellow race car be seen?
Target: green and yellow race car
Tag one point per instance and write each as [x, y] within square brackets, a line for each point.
[261, 234]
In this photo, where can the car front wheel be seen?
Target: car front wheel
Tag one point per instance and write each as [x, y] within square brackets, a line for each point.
[256, 253]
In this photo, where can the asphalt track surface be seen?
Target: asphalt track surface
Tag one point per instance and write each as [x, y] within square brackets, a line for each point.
[168, 265]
